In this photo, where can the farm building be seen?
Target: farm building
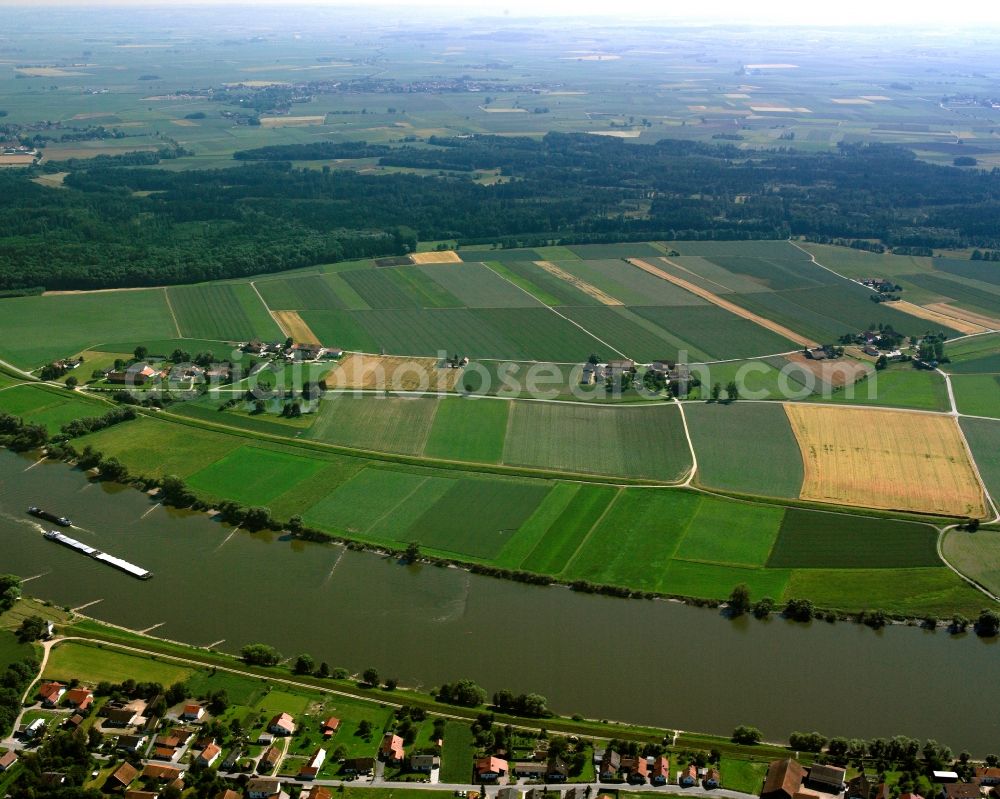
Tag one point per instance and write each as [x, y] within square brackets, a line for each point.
[492, 770]
[330, 726]
[313, 765]
[282, 724]
[391, 748]
[784, 779]
[123, 777]
[50, 693]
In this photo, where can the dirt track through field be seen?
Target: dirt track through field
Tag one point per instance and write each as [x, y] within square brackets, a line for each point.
[885, 459]
[715, 299]
[580, 283]
[946, 317]
[446, 257]
[295, 327]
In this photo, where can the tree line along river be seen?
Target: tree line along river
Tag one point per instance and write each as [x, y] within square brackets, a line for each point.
[651, 662]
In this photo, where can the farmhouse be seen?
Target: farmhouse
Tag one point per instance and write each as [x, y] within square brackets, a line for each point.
[122, 778]
[313, 765]
[826, 779]
[50, 693]
[424, 763]
[268, 760]
[154, 771]
[492, 770]
[209, 754]
[80, 698]
[282, 724]
[330, 726]
[359, 765]
[391, 748]
[7, 759]
[784, 779]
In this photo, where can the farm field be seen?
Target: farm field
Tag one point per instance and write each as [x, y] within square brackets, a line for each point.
[976, 555]
[59, 326]
[977, 394]
[221, 311]
[628, 442]
[899, 386]
[983, 436]
[387, 424]
[885, 459]
[49, 406]
[726, 436]
[468, 430]
[386, 372]
[254, 476]
[93, 664]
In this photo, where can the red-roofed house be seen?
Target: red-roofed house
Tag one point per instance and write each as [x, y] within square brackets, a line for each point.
[155, 771]
[492, 770]
[638, 769]
[209, 754]
[51, 692]
[660, 775]
[80, 698]
[391, 748]
[193, 712]
[282, 724]
[688, 777]
[7, 759]
[330, 726]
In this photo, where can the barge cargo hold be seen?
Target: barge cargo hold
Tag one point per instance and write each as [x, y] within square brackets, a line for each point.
[96, 554]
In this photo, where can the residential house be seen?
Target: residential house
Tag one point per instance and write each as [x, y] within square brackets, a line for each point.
[660, 773]
[209, 754]
[637, 768]
[492, 770]
[826, 779]
[80, 699]
[50, 693]
[508, 793]
[329, 727]
[316, 792]
[229, 793]
[141, 794]
[688, 777]
[35, 729]
[154, 771]
[122, 778]
[163, 753]
[961, 790]
[7, 759]
[557, 771]
[359, 765]
[391, 748]
[268, 760]
[265, 739]
[231, 759]
[711, 780]
[589, 375]
[988, 775]
[134, 744]
[784, 779]
[528, 769]
[74, 721]
[311, 769]
[263, 788]
[282, 724]
[611, 764]
[424, 763]
[192, 712]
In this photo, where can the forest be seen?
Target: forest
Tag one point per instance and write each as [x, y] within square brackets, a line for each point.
[128, 225]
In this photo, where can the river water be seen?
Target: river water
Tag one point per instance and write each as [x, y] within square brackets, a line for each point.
[659, 663]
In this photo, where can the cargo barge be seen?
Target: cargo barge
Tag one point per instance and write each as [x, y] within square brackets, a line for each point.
[38, 513]
[96, 554]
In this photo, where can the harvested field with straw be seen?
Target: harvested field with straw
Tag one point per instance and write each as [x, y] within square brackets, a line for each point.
[391, 373]
[835, 373]
[885, 459]
[954, 313]
[942, 317]
[290, 122]
[295, 327]
[443, 257]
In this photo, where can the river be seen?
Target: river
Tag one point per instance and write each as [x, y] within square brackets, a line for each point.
[660, 663]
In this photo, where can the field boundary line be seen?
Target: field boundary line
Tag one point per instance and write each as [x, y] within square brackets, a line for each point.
[561, 316]
[170, 307]
[724, 304]
[687, 435]
[590, 532]
[277, 321]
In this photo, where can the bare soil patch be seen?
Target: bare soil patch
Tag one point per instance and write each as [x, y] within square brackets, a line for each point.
[291, 122]
[391, 373]
[835, 373]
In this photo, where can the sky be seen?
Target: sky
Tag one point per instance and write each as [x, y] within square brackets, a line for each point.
[763, 12]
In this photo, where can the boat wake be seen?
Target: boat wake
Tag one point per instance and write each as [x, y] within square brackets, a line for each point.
[151, 510]
[455, 609]
[333, 568]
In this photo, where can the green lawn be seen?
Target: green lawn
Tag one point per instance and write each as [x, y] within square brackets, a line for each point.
[468, 430]
[726, 435]
[742, 775]
[92, 664]
[457, 753]
[253, 476]
[815, 540]
[13, 651]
